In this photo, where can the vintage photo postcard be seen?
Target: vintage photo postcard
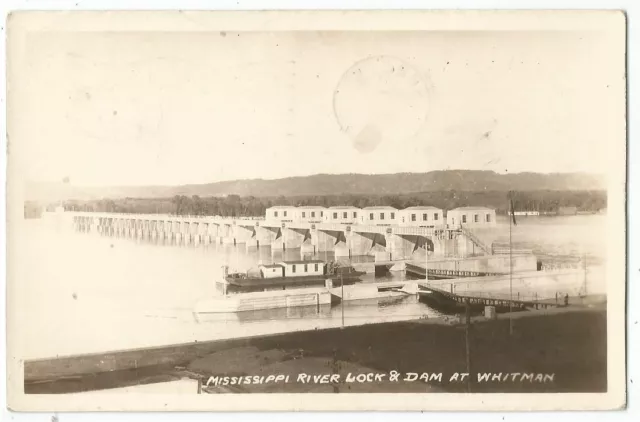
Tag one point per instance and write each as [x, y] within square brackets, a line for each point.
[316, 210]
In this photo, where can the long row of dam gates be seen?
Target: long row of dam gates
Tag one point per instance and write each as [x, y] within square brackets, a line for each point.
[384, 242]
[459, 265]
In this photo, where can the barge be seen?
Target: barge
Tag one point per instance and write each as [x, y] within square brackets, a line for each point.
[287, 284]
[287, 275]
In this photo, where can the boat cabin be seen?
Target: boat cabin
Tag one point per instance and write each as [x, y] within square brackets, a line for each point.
[271, 271]
[285, 275]
[303, 268]
[293, 269]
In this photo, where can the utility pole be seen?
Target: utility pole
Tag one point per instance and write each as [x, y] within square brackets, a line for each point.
[426, 260]
[468, 341]
[342, 296]
[584, 263]
[510, 217]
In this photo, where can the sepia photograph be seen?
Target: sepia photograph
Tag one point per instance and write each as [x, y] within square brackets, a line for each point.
[316, 210]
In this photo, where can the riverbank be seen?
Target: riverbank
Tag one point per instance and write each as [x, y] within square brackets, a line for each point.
[570, 344]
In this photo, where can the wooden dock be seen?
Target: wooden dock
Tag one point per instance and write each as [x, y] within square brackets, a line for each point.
[441, 273]
[448, 301]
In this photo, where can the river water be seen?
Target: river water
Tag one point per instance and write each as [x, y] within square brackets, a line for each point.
[77, 293]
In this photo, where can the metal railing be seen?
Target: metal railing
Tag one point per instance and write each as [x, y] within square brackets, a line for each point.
[364, 228]
[471, 236]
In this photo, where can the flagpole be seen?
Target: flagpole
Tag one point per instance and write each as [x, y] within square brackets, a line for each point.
[510, 207]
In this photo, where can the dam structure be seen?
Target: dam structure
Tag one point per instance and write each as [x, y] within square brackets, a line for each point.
[385, 243]
[451, 259]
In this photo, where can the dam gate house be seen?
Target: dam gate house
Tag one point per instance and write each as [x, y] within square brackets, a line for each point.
[380, 215]
[343, 215]
[474, 217]
[422, 216]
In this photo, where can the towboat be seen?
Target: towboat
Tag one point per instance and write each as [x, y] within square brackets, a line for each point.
[287, 275]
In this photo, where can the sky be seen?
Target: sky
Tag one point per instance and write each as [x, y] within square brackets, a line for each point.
[156, 108]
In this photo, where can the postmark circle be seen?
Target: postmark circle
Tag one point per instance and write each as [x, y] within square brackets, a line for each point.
[381, 99]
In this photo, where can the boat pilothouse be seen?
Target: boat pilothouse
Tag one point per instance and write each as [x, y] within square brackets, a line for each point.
[287, 275]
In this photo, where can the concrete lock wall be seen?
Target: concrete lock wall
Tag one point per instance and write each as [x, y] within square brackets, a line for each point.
[325, 240]
[537, 285]
[293, 238]
[463, 246]
[493, 264]
[260, 236]
[278, 242]
[399, 247]
[160, 229]
[444, 247]
[417, 247]
[357, 292]
[273, 300]
[265, 236]
[226, 234]
[241, 234]
[341, 246]
[311, 238]
[307, 245]
[214, 230]
[363, 243]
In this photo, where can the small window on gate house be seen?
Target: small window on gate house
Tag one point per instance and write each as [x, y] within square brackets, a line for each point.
[413, 217]
[303, 214]
[305, 268]
[393, 215]
[355, 214]
[316, 267]
[464, 218]
[344, 215]
[293, 268]
[381, 216]
[435, 216]
[424, 217]
[371, 216]
[313, 214]
[488, 218]
[335, 215]
[275, 213]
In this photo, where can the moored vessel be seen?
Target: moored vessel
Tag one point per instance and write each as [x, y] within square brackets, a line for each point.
[286, 275]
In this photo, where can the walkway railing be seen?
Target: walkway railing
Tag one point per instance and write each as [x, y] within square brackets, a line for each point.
[496, 299]
[261, 221]
[471, 236]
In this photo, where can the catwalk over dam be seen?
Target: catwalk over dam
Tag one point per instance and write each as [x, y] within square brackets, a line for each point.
[392, 242]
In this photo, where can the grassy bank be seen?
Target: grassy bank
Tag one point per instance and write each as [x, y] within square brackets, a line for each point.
[570, 344]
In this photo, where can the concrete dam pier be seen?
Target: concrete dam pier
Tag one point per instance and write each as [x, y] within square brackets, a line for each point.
[386, 243]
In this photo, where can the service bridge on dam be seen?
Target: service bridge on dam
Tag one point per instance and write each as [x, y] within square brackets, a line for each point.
[385, 242]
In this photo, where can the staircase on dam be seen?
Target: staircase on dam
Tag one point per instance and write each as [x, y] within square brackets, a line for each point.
[476, 240]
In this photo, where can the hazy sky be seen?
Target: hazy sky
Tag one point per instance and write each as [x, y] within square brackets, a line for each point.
[175, 108]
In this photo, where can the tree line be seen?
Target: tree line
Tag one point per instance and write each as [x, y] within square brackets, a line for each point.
[250, 206]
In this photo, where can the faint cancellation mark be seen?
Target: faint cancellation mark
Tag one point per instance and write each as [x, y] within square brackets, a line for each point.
[381, 98]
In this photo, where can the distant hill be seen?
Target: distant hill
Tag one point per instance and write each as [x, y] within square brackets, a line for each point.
[329, 184]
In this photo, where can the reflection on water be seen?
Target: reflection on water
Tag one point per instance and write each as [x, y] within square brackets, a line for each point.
[82, 292]
[355, 310]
